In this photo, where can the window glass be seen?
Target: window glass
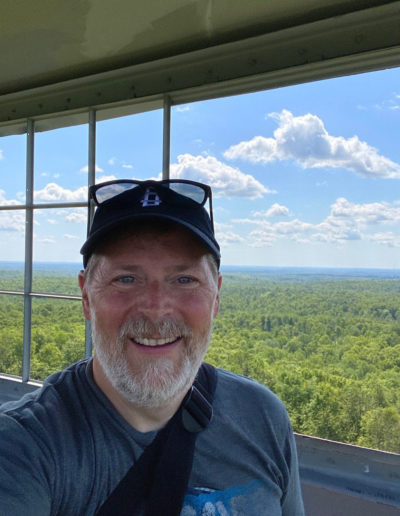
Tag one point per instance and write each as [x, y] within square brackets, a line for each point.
[303, 176]
[12, 170]
[305, 184]
[57, 238]
[307, 210]
[12, 192]
[58, 335]
[12, 245]
[11, 328]
[12, 239]
[130, 147]
[61, 158]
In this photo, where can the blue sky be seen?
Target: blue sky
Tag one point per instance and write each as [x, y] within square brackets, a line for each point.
[306, 175]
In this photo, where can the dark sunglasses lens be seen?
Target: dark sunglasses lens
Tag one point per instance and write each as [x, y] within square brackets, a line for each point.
[107, 192]
[187, 190]
[194, 192]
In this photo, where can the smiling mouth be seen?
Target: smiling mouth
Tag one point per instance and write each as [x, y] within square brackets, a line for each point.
[154, 342]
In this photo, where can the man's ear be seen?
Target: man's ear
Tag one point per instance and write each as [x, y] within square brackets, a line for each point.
[85, 298]
[216, 305]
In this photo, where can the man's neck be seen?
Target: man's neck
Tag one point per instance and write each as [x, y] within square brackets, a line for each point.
[143, 419]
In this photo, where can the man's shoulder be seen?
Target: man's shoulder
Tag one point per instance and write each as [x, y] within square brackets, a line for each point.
[54, 390]
[37, 425]
[245, 391]
[243, 383]
[249, 418]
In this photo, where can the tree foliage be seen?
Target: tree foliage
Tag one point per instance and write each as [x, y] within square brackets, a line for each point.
[329, 348]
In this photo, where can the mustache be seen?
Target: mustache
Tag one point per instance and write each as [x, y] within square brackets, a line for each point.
[144, 328]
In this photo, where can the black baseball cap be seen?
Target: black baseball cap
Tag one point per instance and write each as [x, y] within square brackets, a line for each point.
[128, 202]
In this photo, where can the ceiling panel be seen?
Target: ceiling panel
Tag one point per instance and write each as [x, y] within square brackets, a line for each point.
[48, 41]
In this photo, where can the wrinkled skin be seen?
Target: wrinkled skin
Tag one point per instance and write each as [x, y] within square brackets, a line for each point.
[151, 299]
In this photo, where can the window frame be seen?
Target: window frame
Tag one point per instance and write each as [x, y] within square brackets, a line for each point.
[30, 206]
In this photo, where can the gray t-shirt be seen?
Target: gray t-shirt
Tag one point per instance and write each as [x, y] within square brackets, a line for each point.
[64, 448]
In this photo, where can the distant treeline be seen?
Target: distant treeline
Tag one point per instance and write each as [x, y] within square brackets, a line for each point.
[329, 347]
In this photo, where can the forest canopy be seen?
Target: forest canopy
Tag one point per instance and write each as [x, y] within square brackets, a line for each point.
[328, 346]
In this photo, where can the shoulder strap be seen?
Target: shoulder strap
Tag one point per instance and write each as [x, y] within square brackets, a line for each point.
[156, 484]
[197, 407]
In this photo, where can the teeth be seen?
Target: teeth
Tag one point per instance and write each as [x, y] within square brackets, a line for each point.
[154, 342]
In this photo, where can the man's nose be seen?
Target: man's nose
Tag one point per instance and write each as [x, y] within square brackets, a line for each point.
[155, 301]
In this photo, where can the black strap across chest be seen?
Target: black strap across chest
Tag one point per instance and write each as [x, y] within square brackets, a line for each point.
[156, 484]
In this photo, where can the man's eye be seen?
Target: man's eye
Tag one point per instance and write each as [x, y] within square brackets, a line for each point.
[185, 279]
[126, 279]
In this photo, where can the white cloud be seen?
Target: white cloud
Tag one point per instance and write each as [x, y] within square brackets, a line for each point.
[276, 210]
[346, 222]
[78, 216]
[53, 192]
[182, 109]
[103, 179]
[225, 236]
[70, 237]
[222, 226]
[389, 239]
[262, 237]
[256, 222]
[45, 240]
[259, 149]
[114, 161]
[1, 154]
[224, 179]
[292, 228]
[85, 169]
[7, 202]
[220, 210]
[333, 230]
[369, 213]
[51, 221]
[391, 104]
[305, 140]
[12, 221]
[267, 233]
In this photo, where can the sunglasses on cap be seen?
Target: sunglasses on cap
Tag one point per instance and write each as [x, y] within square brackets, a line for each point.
[191, 193]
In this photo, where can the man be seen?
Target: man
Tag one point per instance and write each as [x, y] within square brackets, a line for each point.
[151, 291]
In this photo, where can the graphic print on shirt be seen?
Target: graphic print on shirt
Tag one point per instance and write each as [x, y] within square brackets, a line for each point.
[236, 501]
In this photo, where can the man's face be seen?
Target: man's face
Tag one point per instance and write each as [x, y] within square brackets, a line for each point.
[151, 299]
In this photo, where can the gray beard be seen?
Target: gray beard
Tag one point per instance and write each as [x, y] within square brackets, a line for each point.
[157, 380]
